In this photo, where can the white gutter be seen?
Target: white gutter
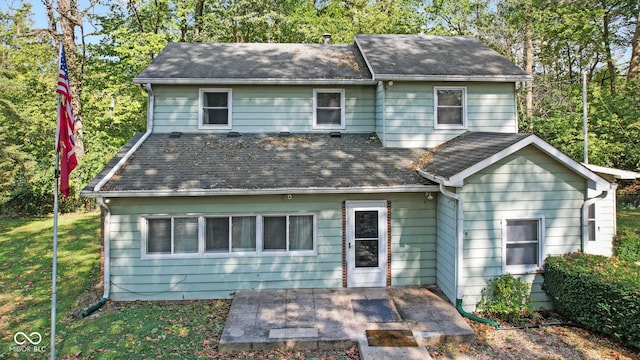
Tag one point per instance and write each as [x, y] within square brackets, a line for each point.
[133, 149]
[273, 81]
[273, 191]
[470, 78]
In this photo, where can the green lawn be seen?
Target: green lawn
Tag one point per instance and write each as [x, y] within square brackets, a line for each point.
[165, 330]
[25, 274]
[629, 219]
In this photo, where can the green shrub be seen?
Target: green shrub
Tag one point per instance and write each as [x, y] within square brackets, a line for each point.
[601, 293]
[627, 244]
[506, 298]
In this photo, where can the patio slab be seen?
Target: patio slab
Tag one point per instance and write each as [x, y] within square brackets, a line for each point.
[304, 319]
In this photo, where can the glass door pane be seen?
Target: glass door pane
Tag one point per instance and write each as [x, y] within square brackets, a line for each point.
[366, 238]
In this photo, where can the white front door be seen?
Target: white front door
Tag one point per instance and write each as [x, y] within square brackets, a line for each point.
[366, 243]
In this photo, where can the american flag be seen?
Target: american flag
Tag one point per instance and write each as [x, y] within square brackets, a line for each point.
[65, 140]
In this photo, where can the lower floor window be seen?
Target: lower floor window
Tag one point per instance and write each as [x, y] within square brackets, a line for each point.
[591, 222]
[523, 240]
[207, 235]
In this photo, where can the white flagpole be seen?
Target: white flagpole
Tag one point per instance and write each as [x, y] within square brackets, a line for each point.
[55, 260]
[54, 270]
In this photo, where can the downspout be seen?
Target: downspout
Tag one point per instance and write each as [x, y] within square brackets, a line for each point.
[459, 238]
[107, 259]
[107, 217]
[383, 110]
[459, 252]
[460, 256]
[585, 216]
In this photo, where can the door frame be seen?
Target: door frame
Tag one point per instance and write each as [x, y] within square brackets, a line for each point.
[382, 272]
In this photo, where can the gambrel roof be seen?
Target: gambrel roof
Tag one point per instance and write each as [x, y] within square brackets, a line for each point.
[215, 164]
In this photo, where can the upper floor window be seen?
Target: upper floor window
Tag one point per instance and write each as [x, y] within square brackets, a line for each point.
[215, 109]
[328, 109]
[450, 110]
[523, 244]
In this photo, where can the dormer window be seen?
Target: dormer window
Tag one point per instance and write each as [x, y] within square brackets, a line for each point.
[450, 107]
[215, 109]
[328, 109]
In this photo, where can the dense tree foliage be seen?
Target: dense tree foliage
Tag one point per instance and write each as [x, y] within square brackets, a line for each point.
[109, 42]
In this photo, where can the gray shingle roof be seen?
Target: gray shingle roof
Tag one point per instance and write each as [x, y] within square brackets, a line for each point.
[214, 162]
[394, 56]
[249, 61]
[391, 57]
[465, 151]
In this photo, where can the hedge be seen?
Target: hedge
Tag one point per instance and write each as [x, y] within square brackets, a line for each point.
[601, 293]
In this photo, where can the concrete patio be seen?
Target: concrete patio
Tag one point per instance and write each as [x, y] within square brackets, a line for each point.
[339, 318]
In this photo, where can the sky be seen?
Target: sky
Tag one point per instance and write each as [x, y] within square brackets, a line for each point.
[39, 15]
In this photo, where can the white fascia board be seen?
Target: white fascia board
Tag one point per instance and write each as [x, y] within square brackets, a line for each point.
[599, 182]
[364, 56]
[275, 191]
[616, 173]
[435, 178]
[454, 78]
[261, 81]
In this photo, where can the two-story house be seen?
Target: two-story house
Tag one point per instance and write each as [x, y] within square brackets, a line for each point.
[392, 161]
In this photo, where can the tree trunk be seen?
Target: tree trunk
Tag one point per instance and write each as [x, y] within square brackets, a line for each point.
[607, 47]
[197, 28]
[528, 51]
[634, 63]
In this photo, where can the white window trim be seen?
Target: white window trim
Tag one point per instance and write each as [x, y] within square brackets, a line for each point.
[593, 220]
[230, 254]
[524, 269]
[202, 125]
[342, 109]
[436, 125]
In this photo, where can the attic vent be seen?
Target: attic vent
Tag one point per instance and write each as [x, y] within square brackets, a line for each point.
[335, 134]
[175, 135]
[284, 134]
[233, 134]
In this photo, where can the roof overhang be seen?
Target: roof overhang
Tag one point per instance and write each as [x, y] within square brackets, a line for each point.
[457, 180]
[278, 191]
[615, 173]
[265, 81]
[454, 78]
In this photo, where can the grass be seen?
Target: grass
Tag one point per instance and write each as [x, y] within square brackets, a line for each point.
[25, 272]
[627, 243]
[629, 219]
[162, 330]
[131, 330]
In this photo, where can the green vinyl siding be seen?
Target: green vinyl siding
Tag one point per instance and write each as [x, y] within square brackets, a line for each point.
[413, 241]
[409, 112]
[261, 109]
[528, 183]
[412, 234]
[446, 250]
